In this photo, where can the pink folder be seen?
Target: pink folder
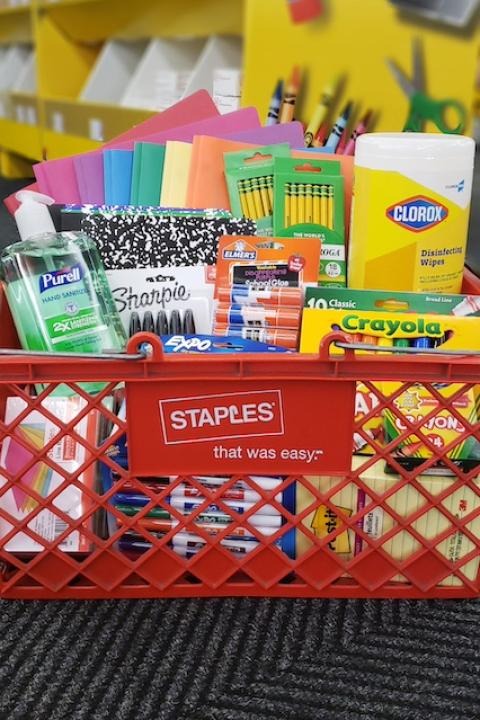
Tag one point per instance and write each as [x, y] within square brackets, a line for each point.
[291, 133]
[221, 126]
[58, 177]
[89, 171]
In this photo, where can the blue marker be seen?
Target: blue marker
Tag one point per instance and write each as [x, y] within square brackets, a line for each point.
[338, 130]
[275, 105]
[423, 343]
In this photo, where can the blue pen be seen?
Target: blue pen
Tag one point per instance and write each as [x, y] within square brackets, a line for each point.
[338, 129]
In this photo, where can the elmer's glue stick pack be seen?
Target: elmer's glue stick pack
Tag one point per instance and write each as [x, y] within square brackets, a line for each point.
[259, 287]
[411, 211]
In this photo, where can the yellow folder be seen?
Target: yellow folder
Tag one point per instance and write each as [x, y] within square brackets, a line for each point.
[176, 172]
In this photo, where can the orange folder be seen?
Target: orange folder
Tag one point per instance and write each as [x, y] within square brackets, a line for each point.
[207, 186]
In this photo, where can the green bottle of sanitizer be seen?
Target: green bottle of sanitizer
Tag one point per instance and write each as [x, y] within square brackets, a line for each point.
[56, 286]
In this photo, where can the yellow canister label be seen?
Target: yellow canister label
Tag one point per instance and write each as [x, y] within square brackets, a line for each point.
[407, 236]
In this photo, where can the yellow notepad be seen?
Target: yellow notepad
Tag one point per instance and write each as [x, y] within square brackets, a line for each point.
[178, 156]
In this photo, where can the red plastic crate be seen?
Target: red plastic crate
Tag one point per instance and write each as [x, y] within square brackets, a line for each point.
[262, 411]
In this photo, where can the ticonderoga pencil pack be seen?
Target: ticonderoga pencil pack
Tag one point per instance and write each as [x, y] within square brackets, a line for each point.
[309, 201]
[249, 176]
[151, 240]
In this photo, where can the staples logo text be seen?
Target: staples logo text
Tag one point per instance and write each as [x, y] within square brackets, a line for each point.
[417, 214]
[219, 417]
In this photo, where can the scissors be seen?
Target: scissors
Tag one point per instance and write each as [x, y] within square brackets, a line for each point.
[422, 107]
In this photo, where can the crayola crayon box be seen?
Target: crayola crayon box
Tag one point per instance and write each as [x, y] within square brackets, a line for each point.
[327, 516]
[443, 405]
[309, 201]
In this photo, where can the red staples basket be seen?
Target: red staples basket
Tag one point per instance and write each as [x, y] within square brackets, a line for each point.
[385, 524]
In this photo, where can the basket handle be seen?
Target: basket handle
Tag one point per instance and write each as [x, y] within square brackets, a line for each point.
[340, 340]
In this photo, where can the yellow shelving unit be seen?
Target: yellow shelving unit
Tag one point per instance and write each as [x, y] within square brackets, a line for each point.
[68, 36]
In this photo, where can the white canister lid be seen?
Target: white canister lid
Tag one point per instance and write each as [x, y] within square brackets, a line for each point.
[386, 151]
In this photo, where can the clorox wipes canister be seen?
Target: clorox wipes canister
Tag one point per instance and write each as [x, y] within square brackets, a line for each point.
[411, 211]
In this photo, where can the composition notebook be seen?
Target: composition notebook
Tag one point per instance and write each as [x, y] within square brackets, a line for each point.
[130, 239]
[147, 175]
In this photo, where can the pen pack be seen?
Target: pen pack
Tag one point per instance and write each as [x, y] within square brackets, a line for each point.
[150, 240]
[249, 175]
[309, 201]
[164, 300]
[261, 263]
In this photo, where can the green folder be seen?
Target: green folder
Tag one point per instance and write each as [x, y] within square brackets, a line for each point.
[148, 161]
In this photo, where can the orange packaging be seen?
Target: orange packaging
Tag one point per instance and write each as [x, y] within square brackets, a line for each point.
[260, 263]
[258, 316]
[270, 297]
[283, 338]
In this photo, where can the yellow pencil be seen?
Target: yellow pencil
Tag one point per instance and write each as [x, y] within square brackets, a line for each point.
[309, 203]
[257, 198]
[324, 205]
[317, 216]
[252, 211]
[330, 207]
[262, 184]
[270, 190]
[301, 203]
[287, 205]
[243, 198]
[293, 204]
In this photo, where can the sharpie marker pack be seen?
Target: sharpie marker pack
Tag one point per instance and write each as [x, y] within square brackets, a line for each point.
[165, 301]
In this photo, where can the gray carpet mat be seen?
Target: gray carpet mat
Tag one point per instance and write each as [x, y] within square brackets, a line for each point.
[240, 659]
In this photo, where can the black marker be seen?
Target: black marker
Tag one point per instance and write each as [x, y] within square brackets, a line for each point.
[189, 323]
[148, 322]
[175, 323]
[161, 327]
[135, 324]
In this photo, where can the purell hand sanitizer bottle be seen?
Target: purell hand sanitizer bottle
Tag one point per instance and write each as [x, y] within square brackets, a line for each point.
[56, 286]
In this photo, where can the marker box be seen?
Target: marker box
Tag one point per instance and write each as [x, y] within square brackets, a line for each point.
[249, 175]
[448, 332]
[309, 201]
[326, 298]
